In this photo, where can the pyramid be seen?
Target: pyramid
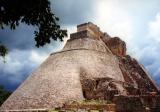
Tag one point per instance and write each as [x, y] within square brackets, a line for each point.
[91, 66]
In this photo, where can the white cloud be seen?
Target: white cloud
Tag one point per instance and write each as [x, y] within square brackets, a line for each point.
[36, 57]
[154, 28]
[153, 46]
[157, 73]
[114, 19]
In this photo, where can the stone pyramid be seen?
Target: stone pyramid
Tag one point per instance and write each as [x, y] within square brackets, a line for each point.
[92, 65]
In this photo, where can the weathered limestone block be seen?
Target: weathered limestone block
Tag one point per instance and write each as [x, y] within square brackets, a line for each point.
[135, 75]
[151, 101]
[117, 46]
[92, 29]
[128, 104]
[99, 88]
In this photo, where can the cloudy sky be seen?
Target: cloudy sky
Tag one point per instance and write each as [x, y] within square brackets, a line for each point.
[135, 21]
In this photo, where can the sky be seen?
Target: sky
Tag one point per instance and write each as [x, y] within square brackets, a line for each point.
[137, 22]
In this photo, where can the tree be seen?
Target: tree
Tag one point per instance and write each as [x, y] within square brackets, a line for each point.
[31, 12]
[3, 50]
[4, 94]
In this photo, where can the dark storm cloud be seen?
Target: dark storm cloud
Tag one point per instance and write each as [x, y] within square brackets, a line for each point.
[12, 81]
[19, 64]
[73, 11]
[8, 84]
[21, 38]
[20, 42]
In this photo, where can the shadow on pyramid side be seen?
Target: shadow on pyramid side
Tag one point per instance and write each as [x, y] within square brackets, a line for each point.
[92, 65]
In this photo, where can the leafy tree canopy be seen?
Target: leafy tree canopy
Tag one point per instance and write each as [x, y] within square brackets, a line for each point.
[31, 12]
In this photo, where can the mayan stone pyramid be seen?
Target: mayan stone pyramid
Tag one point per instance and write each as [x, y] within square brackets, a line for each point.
[91, 66]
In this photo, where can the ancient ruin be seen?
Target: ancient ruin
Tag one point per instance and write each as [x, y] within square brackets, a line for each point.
[91, 66]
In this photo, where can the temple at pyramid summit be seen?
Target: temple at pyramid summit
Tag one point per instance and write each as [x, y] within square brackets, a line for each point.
[92, 67]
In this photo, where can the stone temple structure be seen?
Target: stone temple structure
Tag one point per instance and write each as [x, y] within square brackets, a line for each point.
[91, 66]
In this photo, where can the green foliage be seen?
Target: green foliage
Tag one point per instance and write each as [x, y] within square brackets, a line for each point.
[31, 12]
[3, 94]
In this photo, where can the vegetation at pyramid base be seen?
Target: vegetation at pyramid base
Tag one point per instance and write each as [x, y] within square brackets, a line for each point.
[31, 12]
